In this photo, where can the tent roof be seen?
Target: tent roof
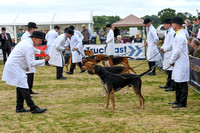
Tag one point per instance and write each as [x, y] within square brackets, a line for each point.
[130, 20]
[47, 18]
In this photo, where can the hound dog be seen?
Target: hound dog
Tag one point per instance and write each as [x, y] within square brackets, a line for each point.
[114, 82]
[89, 59]
[112, 61]
[89, 53]
[114, 69]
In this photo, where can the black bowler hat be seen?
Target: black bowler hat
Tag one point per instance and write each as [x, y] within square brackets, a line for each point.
[70, 31]
[3, 28]
[72, 27]
[167, 21]
[37, 34]
[66, 29]
[32, 25]
[147, 20]
[177, 20]
[57, 27]
[108, 26]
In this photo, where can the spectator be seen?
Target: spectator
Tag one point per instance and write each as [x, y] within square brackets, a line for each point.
[189, 26]
[13, 43]
[132, 39]
[21, 32]
[196, 46]
[195, 28]
[198, 34]
[119, 40]
[138, 39]
[5, 38]
[87, 35]
[116, 32]
[102, 38]
[46, 31]
[190, 49]
[186, 31]
[101, 31]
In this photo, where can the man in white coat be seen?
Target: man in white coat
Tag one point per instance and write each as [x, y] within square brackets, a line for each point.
[153, 54]
[180, 61]
[31, 28]
[14, 72]
[75, 44]
[56, 54]
[110, 41]
[166, 49]
[50, 37]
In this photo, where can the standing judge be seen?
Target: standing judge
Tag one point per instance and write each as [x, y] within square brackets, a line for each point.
[110, 48]
[14, 72]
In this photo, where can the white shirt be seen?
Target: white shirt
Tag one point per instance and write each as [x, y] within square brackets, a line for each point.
[20, 58]
[110, 50]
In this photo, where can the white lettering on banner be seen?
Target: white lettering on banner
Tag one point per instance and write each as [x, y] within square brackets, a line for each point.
[135, 50]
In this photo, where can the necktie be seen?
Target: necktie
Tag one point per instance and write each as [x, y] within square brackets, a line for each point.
[174, 34]
[167, 31]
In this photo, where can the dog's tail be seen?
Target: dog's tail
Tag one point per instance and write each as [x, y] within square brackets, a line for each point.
[147, 71]
[131, 58]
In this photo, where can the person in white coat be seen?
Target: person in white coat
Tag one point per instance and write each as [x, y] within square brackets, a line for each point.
[78, 33]
[56, 54]
[180, 61]
[50, 37]
[110, 41]
[31, 28]
[14, 72]
[166, 49]
[75, 44]
[153, 54]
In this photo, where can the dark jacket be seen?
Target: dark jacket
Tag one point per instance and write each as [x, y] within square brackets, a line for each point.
[6, 43]
[138, 40]
[189, 28]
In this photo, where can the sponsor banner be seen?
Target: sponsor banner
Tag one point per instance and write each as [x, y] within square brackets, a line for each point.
[41, 48]
[195, 72]
[136, 50]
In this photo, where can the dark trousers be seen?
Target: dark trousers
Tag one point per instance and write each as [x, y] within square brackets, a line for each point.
[169, 78]
[23, 94]
[73, 65]
[30, 77]
[5, 51]
[59, 71]
[151, 64]
[181, 93]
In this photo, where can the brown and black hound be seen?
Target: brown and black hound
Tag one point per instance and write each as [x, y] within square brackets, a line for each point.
[115, 82]
[89, 53]
[113, 61]
[114, 69]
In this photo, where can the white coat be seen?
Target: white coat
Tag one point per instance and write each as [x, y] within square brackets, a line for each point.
[78, 33]
[27, 35]
[167, 47]
[56, 55]
[180, 58]
[21, 57]
[50, 37]
[152, 40]
[75, 42]
[110, 49]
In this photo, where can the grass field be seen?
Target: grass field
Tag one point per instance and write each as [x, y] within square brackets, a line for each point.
[76, 105]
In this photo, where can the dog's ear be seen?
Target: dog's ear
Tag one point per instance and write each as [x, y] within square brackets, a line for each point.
[97, 68]
[93, 65]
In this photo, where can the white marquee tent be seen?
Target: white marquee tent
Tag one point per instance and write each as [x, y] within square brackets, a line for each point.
[46, 20]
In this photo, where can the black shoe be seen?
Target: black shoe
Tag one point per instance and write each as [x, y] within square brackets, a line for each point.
[69, 72]
[38, 110]
[22, 110]
[178, 106]
[33, 92]
[82, 71]
[170, 89]
[174, 103]
[62, 78]
[151, 74]
[164, 86]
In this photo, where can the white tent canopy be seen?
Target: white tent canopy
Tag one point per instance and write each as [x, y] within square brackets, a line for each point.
[46, 19]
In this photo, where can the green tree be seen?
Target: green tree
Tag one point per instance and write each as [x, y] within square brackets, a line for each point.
[165, 13]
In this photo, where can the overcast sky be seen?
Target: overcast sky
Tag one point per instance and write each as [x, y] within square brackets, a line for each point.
[121, 8]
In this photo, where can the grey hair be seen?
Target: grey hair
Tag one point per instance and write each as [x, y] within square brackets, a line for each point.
[188, 21]
[190, 39]
[196, 41]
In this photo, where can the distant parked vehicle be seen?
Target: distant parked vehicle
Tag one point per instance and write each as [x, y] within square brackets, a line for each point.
[161, 32]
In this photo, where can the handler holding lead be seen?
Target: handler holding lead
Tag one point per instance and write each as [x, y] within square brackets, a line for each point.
[153, 54]
[110, 49]
[14, 72]
[166, 49]
[180, 61]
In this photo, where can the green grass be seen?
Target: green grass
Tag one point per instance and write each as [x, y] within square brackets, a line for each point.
[76, 105]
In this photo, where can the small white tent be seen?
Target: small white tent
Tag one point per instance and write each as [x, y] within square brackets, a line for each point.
[45, 20]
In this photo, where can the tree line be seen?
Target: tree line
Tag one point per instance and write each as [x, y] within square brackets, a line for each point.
[101, 21]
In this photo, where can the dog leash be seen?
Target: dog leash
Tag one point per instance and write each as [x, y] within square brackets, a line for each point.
[78, 52]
